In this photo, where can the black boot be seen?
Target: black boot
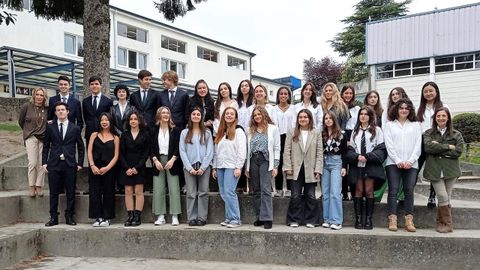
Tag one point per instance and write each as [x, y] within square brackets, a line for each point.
[357, 206]
[128, 223]
[137, 218]
[432, 202]
[369, 214]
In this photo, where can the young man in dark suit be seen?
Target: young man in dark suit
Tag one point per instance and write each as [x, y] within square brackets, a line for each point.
[93, 106]
[145, 100]
[75, 113]
[175, 99]
[62, 140]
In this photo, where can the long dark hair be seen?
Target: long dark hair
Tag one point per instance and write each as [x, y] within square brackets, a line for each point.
[351, 103]
[111, 128]
[313, 98]
[393, 112]
[371, 122]
[437, 103]
[141, 120]
[219, 100]
[208, 97]
[201, 125]
[240, 94]
[296, 132]
[289, 101]
[449, 121]
[378, 109]
[336, 130]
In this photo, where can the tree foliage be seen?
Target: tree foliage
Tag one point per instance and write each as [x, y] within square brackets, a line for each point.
[319, 72]
[171, 9]
[7, 17]
[354, 69]
[469, 125]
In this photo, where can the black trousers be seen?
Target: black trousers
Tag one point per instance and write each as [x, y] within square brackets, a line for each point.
[302, 209]
[101, 195]
[279, 177]
[62, 177]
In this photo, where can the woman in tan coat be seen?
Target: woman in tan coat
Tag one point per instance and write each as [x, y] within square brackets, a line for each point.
[303, 164]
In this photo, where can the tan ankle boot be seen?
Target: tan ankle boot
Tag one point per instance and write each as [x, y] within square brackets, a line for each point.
[448, 219]
[409, 226]
[442, 213]
[31, 191]
[392, 223]
[39, 191]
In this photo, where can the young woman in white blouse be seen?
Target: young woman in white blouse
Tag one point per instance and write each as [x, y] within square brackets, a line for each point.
[429, 102]
[403, 139]
[260, 98]
[228, 160]
[394, 96]
[224, 100]
[284, 117]
[309, 101]
[365, 156]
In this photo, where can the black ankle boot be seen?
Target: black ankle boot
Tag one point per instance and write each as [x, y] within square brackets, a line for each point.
[369, 214]
[137, 218]
[128, 223]
[357, 206]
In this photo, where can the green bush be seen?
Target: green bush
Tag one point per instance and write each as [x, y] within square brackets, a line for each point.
[469, 125]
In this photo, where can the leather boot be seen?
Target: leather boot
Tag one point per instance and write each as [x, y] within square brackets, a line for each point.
[448, 219]
[441, 225]
[392, 223]
[137, 218]
[369, 214]
[409, 226]
[357, 207]
[128, 223]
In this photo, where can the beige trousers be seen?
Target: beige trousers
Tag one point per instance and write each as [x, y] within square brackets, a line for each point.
[443, 188]
[34, 155]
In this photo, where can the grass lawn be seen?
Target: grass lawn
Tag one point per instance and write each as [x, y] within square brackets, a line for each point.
[9, 126]
[474, 154]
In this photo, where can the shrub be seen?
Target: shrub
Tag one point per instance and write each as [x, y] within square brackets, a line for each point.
[469, 125]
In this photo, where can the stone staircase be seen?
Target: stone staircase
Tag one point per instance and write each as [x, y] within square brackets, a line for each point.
[23, 235]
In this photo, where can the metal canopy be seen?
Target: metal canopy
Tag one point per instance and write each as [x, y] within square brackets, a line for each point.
[27, 68]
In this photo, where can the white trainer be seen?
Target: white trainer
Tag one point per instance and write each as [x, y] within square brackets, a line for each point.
[97, 222]
[294, 225]
[175, 220]
[326, 225]
[105, 223]
[336, 226]
[310, 225]
[160, 220]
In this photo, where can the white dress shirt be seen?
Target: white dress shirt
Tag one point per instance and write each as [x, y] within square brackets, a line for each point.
[163, 140]
[231, 154]
[285, 120]
[316, 112]
[403, 142]
[352, 121]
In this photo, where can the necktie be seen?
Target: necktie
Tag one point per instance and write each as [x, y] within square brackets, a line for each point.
[61, 130]
[144, 98]
[64, 99]
[95, 102]
[363, 145]
[171, 95]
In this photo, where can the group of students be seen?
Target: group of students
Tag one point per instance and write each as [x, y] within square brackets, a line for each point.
[246, 143]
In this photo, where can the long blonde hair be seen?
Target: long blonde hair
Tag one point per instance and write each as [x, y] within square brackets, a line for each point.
[264, 124]
[158, 117]
[45, 96]
[224, 129]
[337, 100]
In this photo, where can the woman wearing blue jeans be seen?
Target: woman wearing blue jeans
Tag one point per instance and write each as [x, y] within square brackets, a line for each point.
[334, 168]
[230, 154]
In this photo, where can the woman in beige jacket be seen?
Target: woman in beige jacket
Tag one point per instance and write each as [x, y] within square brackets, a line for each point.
[303, 164]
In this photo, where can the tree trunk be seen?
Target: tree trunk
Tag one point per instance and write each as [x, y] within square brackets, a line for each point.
[96, 40]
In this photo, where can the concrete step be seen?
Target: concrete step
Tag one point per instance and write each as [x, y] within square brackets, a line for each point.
[17, 243]
[467, 173]
[281, 245]
[28, 209]
[469, 179]
[466, 192]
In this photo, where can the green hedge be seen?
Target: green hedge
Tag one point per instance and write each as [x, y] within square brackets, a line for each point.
[469, 125]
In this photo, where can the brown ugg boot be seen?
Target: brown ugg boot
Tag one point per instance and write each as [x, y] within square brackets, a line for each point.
[409, 226]
[441, 219]
[392, 223]
[448, 219]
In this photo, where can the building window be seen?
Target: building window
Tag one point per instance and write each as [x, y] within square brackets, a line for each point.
[237, 63]
[403, 69]
[132, 59]
[73, 45]
[457, 62]
[178, 67]
[207, 54]
[173, 44]
[132, 32]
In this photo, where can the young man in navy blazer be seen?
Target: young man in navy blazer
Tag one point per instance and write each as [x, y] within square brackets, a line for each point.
[93, 106]
[75, 113]
[175, 99]
[145, 100]
[62, 140]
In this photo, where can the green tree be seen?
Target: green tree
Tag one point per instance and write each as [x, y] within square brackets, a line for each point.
[351, 41]
[96, 27]
[319, 72]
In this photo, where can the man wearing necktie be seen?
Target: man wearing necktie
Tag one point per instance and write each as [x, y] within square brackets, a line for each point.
[145, 100]
[175, 99]
[64, 95]
[62, 140]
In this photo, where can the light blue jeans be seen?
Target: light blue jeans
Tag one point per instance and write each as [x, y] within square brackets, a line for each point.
[332, 189]
[227, 185]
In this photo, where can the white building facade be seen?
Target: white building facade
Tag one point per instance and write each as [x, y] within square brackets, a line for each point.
[441, 46]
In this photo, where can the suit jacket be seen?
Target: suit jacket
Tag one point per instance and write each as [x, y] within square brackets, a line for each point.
[90, 115]
[54, 146]
[118, 120]
[74, 112]
[179, 106]
[373, 168]
[173, 141]
[149, 108]
[311, 156]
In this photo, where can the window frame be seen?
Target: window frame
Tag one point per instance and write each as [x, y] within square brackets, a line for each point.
[126, 54]
[171, 41]
[231, 61]
[130, 34]
[181, 75]
[201, 53]
[78, 48]
[396, 70]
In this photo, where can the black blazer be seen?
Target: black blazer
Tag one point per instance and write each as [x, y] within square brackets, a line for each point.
[179, 107]
[54, 146]
[118, 120]
[373, 168]
[134, 153]
[74, 110]
[149, 109]
[173, 150]
[91, 116]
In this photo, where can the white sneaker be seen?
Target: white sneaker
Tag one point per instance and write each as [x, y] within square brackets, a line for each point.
[105, 223]
[310, 225]
[326, 225]
[294, 225]
[224, 223]
[97, 222]
[336, 226]
[160, 220]
[175, 220]
[233, 225]
[287, 193]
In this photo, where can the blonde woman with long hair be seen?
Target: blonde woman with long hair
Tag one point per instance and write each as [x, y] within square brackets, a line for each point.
[331, 101]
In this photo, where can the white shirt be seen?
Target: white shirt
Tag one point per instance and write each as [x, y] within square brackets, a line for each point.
[216, 122]
[427, 117]
[316, 112]
[285, 120]
[122, 108]
[353, 118]
[163, 141]
[403, 142]
[243, 115]
[231, 154]
[356, 142]
[385, 118]
[65, 97]
[304, 137]
[99, 95]
[143, 94]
